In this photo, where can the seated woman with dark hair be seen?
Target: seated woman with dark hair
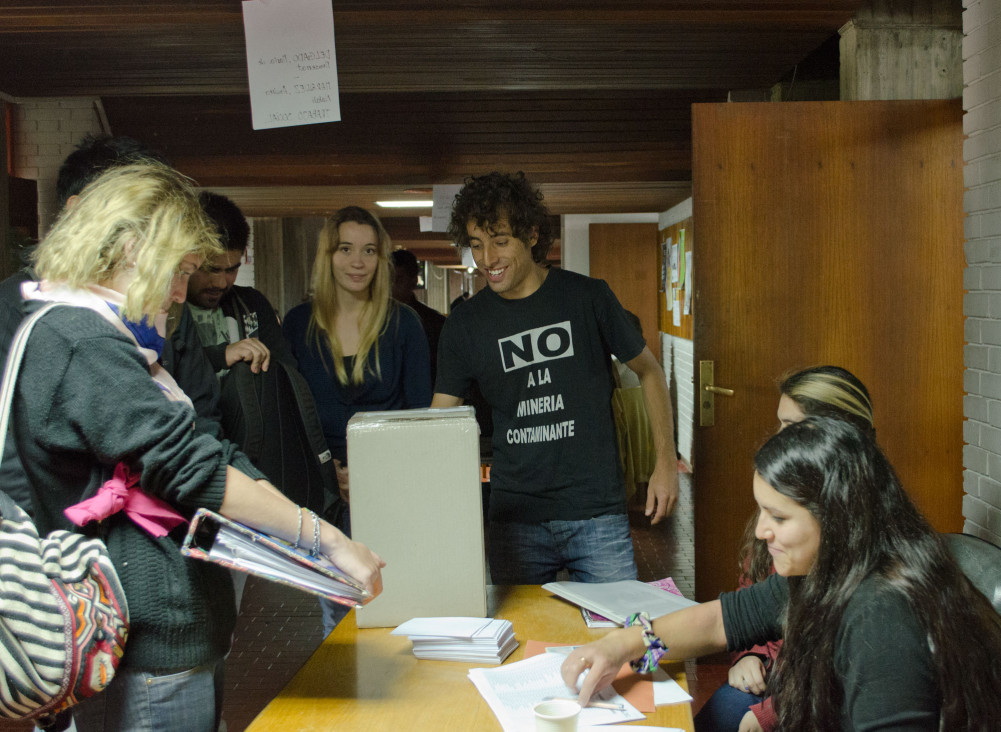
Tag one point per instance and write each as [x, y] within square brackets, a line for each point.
[882, 630]
[741, 705]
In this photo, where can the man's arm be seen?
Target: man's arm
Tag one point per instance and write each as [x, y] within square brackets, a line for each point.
[662, 490]
[440, 401]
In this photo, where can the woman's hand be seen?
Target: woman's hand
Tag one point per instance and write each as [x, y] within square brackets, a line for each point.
[748, 674]
[749, 723]
[353, 558]
[342, 481]
[602, 660]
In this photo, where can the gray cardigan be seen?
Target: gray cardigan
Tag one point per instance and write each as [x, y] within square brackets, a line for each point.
[85, 402]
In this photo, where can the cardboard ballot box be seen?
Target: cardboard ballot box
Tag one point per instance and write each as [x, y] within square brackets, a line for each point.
[416, 501]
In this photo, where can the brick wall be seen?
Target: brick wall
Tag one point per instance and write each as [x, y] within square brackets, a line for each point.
[45, 131]
[982, 278]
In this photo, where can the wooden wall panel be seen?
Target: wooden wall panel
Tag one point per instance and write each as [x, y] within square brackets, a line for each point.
[267, 236]
[829, 232]
[299, 238]
[625, 256]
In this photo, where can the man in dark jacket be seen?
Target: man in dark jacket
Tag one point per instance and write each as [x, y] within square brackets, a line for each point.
[266, 405]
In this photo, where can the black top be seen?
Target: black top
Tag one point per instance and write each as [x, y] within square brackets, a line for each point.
[542, 364]
[881, 656]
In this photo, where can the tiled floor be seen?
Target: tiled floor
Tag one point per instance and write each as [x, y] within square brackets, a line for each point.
[279, 628]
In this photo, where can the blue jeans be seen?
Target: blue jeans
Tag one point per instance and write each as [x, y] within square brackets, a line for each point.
[724, 710]
[138, 701]
[595, 550]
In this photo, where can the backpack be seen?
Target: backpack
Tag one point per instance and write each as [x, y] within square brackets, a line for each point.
[271, 415]
[64, 618]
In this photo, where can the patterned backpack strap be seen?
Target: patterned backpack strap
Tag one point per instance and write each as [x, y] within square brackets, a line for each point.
[63, 614]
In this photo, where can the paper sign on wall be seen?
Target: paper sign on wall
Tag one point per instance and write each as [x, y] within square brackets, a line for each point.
[291, 63]
[442, 197]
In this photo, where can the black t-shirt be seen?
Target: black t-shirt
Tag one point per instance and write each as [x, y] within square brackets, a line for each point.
[542, 364]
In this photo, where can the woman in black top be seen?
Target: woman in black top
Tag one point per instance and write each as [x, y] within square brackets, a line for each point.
[881, 628]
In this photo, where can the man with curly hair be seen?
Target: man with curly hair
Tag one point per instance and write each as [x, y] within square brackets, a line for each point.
[537, 341]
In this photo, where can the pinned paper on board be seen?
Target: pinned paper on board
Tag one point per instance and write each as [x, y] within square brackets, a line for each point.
[681, 259]
[675, 253]
[688, 283]
[291, 63]
[676, 310]
[665, 265]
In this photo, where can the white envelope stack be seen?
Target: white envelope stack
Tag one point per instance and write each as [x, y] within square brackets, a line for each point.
[471, 640]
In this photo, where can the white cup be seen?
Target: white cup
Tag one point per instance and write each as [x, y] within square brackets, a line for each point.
[556, 715]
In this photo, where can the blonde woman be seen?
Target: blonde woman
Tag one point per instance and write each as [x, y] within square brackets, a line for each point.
[91, 397]
[359, 350]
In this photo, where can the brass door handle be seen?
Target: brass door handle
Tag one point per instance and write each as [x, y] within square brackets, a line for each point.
[707, 397]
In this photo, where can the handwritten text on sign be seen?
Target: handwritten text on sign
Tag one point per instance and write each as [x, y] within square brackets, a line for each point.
[291, 63]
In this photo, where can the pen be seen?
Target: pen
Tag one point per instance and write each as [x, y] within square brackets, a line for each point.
[593, 704]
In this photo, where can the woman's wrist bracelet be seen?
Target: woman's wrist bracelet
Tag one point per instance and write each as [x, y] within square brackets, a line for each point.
[655, 648]
[298, 533]
[316, 534]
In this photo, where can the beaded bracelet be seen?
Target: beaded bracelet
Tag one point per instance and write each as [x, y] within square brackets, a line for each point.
[316, 535]
[298, 533]
[655, 648]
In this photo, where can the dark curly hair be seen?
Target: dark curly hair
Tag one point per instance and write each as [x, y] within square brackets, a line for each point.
[486, 199]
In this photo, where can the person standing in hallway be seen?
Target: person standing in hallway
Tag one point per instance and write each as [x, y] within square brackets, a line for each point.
[405, 271]
[538, 342]
[359, 350]
[91, 400]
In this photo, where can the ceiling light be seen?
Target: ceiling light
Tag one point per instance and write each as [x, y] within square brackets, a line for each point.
[405, 204]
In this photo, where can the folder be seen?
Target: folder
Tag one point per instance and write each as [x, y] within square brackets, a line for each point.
[617, 600]
[215, 538]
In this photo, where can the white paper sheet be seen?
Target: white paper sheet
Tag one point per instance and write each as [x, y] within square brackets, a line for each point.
[512, 691]
[291, 62]
[666, 690]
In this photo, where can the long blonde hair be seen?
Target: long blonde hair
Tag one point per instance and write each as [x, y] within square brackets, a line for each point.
[144, 215]
[375, 313]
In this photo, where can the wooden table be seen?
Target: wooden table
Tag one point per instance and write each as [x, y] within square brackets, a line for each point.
[370, 680]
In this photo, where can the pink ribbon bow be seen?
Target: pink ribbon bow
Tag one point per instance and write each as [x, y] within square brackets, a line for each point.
[122, 492]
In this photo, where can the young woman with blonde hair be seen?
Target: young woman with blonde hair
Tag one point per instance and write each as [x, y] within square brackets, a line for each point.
[359, 350]
[91, 399]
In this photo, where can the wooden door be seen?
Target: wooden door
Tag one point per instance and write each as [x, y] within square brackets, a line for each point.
[625, 256]
[829, 232]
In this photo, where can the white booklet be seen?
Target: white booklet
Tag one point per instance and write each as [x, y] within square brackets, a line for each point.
[617, 600]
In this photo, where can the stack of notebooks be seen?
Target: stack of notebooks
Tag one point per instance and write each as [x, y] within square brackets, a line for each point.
[472, 640]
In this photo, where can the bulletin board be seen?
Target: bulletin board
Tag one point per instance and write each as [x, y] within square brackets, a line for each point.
[674, 259]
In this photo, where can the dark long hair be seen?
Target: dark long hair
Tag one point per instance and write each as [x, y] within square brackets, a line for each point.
[870, 528]
[823, 391]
